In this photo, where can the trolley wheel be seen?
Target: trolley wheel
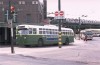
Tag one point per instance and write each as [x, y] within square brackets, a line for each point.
[40, 42]
[66, 41]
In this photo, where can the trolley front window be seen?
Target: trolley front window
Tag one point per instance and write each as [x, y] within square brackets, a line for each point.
[23, 31]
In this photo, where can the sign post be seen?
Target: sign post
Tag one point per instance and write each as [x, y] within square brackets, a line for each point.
[60, 33]
[59, 15]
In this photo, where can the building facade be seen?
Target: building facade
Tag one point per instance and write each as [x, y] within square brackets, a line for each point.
[26, 12]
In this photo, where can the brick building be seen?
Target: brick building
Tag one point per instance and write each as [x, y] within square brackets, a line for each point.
[26, 12]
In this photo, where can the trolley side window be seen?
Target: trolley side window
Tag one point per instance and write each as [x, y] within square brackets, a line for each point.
[40, 31]
[34, 31]
[30, 30]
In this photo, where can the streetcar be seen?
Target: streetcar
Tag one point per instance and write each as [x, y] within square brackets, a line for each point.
[42, 35]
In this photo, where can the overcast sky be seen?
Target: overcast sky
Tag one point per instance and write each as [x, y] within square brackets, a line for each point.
[76, 8]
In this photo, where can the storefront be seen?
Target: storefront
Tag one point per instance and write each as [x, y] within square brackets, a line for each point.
[4, 36]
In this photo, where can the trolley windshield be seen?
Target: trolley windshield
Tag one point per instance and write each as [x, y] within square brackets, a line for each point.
[22, 31]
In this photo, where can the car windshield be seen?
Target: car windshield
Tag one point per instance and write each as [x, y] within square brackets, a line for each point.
[89, 33]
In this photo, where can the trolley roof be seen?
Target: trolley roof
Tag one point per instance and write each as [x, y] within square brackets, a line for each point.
[44, 26]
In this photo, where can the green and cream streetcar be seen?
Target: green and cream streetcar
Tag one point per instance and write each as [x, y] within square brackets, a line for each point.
[42, 35]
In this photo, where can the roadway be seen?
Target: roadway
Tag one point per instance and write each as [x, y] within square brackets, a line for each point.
[78, 53]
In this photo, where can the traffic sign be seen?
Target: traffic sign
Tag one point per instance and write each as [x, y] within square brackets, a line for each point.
[56, 13]
[61, 13]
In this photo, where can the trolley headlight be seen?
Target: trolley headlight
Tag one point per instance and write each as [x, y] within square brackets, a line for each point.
[24, 37]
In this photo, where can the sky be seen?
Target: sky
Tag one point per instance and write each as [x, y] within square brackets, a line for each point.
[76, 8]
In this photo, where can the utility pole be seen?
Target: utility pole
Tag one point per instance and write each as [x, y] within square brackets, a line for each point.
[60, 33]
[10, 23]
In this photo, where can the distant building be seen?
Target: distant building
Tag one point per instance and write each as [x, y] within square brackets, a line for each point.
[26, 11]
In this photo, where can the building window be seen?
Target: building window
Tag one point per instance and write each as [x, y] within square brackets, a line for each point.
[28, 18]
[21, 2]
[34, 2]
[1, 2]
